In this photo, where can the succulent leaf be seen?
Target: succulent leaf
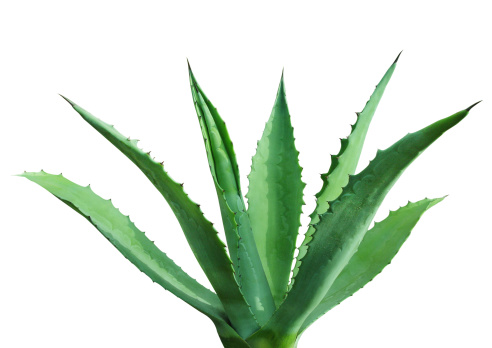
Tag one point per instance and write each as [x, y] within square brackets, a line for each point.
[275, 196]
[340, 230]
[378, 247]
[242, 248]
[131, 242]
[345, 162]
[203, 239]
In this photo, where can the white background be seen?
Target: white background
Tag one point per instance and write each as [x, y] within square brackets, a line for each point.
[64, 285]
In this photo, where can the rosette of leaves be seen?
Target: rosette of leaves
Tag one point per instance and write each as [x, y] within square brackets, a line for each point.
[256, 302]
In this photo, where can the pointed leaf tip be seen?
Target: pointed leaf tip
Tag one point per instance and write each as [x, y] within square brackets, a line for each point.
[471, 106]
[67, 100]
[190, 72]
[398, 57]
[434, 201]
[281, 86]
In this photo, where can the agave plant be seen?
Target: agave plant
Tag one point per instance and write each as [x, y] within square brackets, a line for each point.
[258, 300]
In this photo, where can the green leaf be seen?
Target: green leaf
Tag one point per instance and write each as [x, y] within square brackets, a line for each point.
[131, 242]
[249, 270]
[375, 252]
[275, 196]
[341, 229]
[345, 162]
[203, 239]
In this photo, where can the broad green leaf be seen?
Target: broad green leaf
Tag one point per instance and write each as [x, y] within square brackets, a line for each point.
[378, 247]
[131, 242]
[340, 230]
[275, 196]
[345, 162]
[242, 248]
[203, 239]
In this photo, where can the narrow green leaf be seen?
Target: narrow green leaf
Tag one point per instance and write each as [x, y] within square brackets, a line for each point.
[275, 196]
[341, 229]
[203, 239]
[131, 242]
[378, 247]
[249, 270]
[345, 162]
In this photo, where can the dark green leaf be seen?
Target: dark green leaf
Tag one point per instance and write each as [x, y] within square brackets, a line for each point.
[242, 248]
[201, 236]
[339, 232]
[345, 162]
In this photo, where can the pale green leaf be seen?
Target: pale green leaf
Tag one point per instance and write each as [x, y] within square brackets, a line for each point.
[275, 196]
[378, 247]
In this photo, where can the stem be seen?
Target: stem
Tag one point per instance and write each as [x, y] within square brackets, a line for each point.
[271, 339]
[262, 339]
[259, 342]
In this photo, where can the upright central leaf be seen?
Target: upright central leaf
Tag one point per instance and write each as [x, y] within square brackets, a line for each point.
[223, 166]
[275, 196]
